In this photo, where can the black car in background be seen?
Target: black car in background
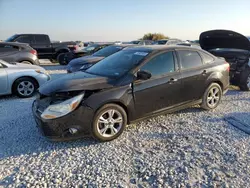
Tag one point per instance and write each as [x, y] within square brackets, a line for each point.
[235, 48]
[83, 63]
[44, 47]
[132, 84]
[18, 52]
[83, 52]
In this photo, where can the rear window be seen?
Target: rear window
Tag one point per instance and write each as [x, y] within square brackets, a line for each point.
[107, 51]
[189, 59]
[207, 58]
[8, 48]
[162, 42]
[42, 39]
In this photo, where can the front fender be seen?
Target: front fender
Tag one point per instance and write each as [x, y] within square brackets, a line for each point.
[122, 95]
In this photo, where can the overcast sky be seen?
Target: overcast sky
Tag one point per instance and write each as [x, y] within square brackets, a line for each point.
[125, 20]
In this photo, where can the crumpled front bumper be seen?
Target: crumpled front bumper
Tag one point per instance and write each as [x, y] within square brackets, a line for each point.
[58, 129]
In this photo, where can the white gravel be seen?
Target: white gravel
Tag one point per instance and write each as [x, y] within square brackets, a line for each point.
[191, 148]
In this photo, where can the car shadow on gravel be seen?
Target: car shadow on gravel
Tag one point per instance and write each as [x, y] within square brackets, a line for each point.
[43, 145]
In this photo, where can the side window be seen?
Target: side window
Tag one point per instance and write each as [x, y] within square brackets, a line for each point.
[24, 39]
[160, 65]
[207, 58]
[8, 48]
[189, 59]
[41, 39]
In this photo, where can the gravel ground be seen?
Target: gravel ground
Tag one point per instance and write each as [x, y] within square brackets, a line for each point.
[190, 148]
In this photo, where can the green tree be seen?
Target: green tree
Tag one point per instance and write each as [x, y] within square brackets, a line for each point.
[154, 36]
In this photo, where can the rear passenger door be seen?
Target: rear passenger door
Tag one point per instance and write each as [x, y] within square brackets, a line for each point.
[193, 75]
[43, 46]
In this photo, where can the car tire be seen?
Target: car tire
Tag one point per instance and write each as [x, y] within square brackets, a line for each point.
[60, 59]
[25, 87]
[26, 62]
[106, 128]
[244, 84]
[212, 97]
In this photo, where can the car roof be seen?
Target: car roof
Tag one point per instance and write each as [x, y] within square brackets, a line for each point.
[161, 47]
[15, 44]
[123, 45]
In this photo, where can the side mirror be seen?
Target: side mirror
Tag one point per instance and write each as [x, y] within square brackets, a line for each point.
[143, 75]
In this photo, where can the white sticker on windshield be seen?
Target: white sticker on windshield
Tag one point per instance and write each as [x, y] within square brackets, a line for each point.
[141, 53]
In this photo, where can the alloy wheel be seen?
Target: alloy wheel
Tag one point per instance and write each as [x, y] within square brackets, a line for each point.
[109, 123]
[213, 97]
[248, 81]
[25, 88]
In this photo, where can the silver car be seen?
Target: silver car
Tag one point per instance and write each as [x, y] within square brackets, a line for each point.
[18, 52]
[21, 79]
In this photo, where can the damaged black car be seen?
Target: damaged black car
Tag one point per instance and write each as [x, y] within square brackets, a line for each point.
[235, 48]
[128, 86]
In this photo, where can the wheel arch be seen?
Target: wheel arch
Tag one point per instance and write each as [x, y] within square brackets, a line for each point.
[116, 102]
[30, 77]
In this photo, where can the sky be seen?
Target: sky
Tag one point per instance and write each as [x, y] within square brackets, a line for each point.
[121, 20]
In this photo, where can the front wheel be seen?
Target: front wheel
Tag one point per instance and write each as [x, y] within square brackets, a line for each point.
[25, 87]
[245, 80]
[109, 122]
[211, 97]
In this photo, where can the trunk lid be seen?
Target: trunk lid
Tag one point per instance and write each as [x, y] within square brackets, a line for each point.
[223, 39]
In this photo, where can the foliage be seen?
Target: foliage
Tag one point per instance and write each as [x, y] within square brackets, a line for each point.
[154, 36]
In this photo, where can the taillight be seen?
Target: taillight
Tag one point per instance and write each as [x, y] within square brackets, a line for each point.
[227, 66]
[75, 47]
[34, 52]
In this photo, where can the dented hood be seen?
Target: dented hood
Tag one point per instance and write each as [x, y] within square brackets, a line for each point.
[76, 82]
[223, 39]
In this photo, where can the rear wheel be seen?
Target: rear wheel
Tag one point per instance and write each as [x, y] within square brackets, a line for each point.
[211, 97]
[25, 87]
[245, 80]
[61, 60]
[109, 122]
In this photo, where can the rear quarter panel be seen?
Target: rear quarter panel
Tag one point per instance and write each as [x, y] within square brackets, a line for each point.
[218, 73]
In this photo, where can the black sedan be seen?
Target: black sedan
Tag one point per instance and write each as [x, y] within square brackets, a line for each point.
[83, 63]
[67, 57]
[132, 84]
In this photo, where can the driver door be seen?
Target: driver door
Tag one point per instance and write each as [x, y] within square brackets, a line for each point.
[162, 90]
[3, 80]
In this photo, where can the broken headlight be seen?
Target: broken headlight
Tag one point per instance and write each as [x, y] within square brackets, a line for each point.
[61, 109]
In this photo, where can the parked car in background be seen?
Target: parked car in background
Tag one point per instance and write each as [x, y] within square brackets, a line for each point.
[44, 47]
[235, 48]
[132, 84]
[83, 52]
[18, 52]
[142, 42]
[83, 63]
[168, 42]
[21, 79]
